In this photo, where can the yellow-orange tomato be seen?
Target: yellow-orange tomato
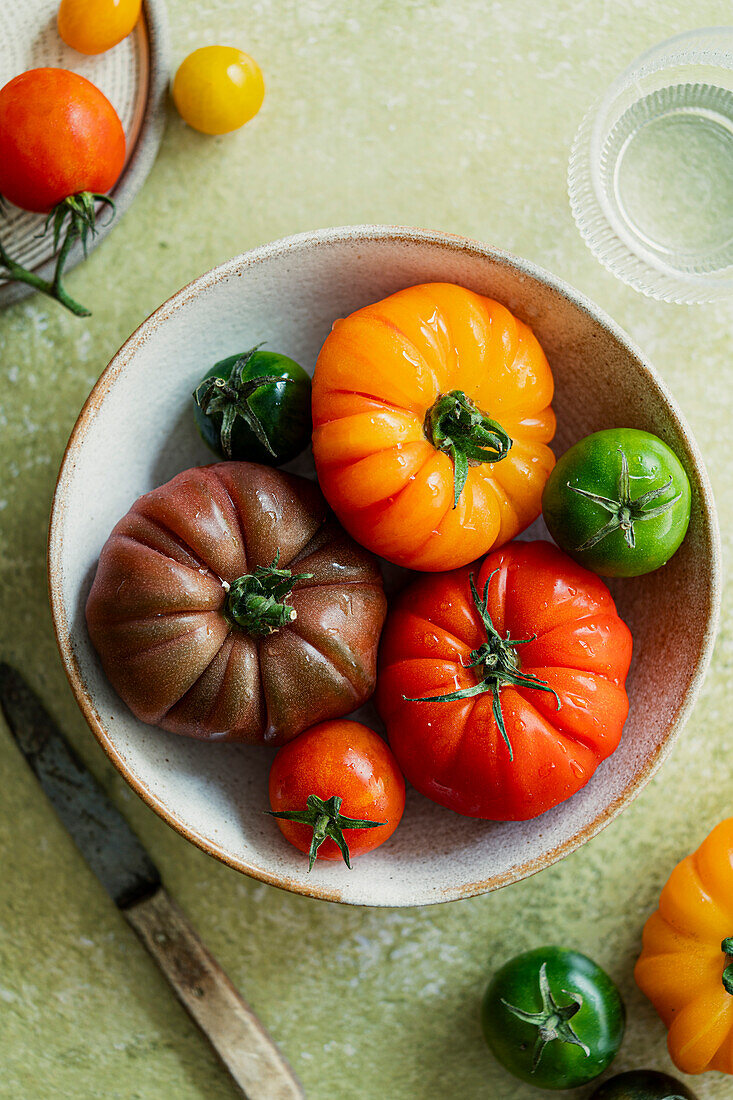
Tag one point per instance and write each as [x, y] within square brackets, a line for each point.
[403, 385]
[218, 89]
[93, 26]
[686, 965]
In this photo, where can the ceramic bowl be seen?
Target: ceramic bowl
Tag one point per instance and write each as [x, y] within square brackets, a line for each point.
[136, 431]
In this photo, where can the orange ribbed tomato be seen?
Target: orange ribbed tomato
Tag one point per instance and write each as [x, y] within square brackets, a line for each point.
[431, 415]
[686, 965]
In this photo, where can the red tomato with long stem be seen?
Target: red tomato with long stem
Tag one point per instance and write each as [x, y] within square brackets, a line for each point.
[503, 691]
[336, 791]
[62, 148]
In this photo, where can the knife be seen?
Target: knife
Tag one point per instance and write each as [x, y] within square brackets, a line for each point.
[132, 880]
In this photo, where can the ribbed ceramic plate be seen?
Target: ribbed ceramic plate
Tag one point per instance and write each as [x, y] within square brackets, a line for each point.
[130, 438]
[134, 77]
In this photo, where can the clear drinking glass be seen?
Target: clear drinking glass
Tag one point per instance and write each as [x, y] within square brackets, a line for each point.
[651, 170]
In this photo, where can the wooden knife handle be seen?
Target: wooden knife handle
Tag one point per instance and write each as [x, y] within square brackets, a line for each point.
[235, 1033]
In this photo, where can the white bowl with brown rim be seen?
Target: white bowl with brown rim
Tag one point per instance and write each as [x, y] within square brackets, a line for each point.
[136, 431]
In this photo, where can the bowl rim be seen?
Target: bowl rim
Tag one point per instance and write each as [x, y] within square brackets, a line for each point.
[117, 365]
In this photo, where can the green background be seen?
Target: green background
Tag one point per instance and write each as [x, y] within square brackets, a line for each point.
[450, 114]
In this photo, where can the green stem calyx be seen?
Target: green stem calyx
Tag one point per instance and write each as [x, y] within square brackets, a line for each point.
[256, 601]
[75, 219]
[326, 820]
[456, 426]
[231, 397]
[553, 1020]
[496, 662]
[623, 511]
[727, 949]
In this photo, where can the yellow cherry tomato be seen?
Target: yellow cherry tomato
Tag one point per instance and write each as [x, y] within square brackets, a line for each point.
[93, 26]
[218, 89]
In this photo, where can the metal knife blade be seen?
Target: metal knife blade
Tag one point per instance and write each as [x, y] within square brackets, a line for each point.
[104, 838]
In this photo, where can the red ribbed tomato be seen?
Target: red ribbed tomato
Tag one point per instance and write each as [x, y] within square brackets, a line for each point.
[503, 691]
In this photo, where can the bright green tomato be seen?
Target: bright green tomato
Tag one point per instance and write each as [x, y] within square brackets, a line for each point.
[643, 1084]
[255, 407]
[553, 1018]
[618, 502]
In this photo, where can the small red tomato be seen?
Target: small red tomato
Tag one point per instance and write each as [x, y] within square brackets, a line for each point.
[59, 136]
[336, 790]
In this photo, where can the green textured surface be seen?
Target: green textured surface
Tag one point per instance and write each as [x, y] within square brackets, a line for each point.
[451, 114]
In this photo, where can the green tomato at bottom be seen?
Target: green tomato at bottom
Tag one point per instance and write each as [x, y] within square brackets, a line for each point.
[553, 1018]
[642, 1084]
[641, 509]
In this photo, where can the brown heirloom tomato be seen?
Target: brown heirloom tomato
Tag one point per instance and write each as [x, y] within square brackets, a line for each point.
[228, 605]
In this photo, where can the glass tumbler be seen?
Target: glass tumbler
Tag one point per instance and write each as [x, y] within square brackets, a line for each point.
[650, 178]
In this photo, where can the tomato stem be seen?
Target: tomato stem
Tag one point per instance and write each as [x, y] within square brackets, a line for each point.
[256, 601]
[727, 949]
[553, 1020]
[326, 820]
[79, 212]
[455, 425]
[231, 397]
[497, 663]
[625, 512]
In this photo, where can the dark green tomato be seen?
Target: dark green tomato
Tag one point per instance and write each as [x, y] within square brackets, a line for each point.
[618, 502]
[553, 1018]
[643, 1084]
[269, 423]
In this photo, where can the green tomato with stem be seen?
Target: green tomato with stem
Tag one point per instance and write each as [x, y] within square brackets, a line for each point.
[618, 502]
[255, 407]
[643, 1084]
[553, 1018]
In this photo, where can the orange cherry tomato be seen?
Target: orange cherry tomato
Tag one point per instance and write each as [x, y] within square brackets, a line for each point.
[331, 784]
[93, 26]
[686, 964]
[415, 401]
[59, 135]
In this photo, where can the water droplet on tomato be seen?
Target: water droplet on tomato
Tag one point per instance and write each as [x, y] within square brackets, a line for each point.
[345, 603]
